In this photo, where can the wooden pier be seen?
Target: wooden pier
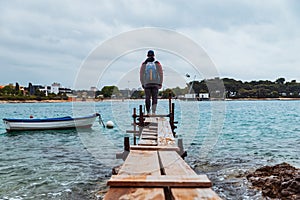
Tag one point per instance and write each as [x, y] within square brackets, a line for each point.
[154, 168]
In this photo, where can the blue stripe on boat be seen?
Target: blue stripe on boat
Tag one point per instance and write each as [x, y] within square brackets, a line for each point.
[68, 118]
[40, 120]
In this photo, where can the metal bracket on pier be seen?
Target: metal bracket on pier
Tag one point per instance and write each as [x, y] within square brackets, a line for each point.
[139, 120]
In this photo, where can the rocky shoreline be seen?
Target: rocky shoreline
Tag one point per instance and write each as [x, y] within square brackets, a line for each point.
[281, 181]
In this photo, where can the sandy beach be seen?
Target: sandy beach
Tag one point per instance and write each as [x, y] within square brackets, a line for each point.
[34, 101]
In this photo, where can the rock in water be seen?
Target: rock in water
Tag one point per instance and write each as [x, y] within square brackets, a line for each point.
[280, 181]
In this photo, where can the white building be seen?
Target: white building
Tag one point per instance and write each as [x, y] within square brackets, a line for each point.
[46, 89]
[55, 88]
[190, 96]
[204, 95]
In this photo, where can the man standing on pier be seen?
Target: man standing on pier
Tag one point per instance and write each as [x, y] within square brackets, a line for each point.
[151, 77]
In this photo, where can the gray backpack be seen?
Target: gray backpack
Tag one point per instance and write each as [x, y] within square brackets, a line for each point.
[151, 74]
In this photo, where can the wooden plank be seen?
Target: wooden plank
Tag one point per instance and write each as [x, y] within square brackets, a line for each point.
[155, 116]
[141, 163]
[150, 133]
[151, 119]
[173, 164]
[138, 163]
[165, 135]
[198, 181]
[149, 137]
[147, 143]
[135, 193]
[154, 148]
[194, 193]
[131, 131]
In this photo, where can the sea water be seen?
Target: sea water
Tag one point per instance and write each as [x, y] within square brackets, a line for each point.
[224, 140]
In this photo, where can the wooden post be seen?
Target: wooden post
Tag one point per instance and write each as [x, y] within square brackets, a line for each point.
[126, 148]
[182, 153]
[126, 144]
[125, 153]
[170, 101]
[172, 123]
[141, 117]
[171, 112]
[134, 125]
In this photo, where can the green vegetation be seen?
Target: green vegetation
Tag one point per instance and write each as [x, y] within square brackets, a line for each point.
[14, 93]
[233, 89]
[253, 89]
[261, 89]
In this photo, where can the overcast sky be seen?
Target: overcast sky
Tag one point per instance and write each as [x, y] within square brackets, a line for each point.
[48, 41]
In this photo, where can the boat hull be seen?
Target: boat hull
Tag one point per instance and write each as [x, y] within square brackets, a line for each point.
[49, 124]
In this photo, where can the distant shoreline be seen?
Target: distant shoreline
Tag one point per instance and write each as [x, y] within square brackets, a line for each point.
[95, 100]
[263, 99]
[32, 101]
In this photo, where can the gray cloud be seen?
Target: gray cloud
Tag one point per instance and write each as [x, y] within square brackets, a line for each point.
[48, 40]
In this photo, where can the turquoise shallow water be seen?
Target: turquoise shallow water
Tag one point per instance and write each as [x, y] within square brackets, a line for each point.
[223, 140]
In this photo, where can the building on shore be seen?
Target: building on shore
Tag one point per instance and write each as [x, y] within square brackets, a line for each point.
[195, 97]
[55, 88]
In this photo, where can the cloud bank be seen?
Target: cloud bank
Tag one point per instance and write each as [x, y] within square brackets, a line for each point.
[47, 41]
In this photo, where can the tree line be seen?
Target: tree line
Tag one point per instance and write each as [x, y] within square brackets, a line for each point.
[234, 89]
[14, 92]
[113, 91]
[253, 89]
[231, 88]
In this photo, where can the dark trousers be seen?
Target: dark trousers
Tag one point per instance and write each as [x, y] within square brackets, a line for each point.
[151, 92]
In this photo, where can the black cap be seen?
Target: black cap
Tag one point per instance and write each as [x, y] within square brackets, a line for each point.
[150, 53]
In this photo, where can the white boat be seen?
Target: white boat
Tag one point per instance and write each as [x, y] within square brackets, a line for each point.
[50, 123]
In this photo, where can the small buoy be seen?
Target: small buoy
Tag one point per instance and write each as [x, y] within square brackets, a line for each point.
[109, 124]
[30, 116]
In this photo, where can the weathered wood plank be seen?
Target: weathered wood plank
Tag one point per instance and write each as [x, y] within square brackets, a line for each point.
[135, 193]
[151, 119]
[150, 133]
[198, 181]
[131, 131]
[149, 137]
[173, 164]
[138, 163]
[154, 148]
[147, 142]
[194, 193]
[141, 163]
[165, 135]
[155, 116]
